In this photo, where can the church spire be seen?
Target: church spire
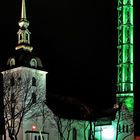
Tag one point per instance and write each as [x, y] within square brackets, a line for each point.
[23, 10]
[23, 32]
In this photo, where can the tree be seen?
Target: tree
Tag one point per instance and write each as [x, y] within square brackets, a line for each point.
[22, 88]
[41, 115]
[66, 126]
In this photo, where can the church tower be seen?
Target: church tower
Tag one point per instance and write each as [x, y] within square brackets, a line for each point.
[24, 33]
[24, 83]
[125, 92]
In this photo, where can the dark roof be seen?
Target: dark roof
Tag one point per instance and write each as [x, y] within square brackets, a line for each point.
[24, 58]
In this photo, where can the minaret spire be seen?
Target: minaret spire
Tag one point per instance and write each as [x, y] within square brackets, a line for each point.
[125, 76]
[23, 32]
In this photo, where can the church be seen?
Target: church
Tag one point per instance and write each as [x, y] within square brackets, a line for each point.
[26, 115]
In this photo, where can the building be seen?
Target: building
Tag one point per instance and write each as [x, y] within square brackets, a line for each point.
[125, 84]
[24, 86]
[25, 90]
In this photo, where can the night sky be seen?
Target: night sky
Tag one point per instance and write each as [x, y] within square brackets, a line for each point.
[77, 42]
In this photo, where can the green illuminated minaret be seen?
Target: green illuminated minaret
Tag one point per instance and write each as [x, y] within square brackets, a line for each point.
[125, 46]
[125, 94]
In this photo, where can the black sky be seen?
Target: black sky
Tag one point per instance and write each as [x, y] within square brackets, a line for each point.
[77, 42]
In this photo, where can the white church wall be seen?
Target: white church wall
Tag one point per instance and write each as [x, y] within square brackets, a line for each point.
[21, 88]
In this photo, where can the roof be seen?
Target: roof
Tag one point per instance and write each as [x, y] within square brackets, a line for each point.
[24, 58]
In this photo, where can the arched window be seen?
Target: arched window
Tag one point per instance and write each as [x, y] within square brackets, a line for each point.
[12, 62]
[33, 62]
[74, 134]
[123, 128]
[13, 100]
[35, 137]
[12, 81]
[33, 98]
[26, 36]
[39, 138]
[20, 37]
[127, 128]
[33, 81]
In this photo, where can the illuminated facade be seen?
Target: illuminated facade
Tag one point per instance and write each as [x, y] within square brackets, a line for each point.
[123, 125]
[24, 84]
[125, 93]
[26, 68]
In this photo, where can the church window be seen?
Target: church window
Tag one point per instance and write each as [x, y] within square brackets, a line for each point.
[39, 138]
[127, 128]
[33, 81]
[20, 37]
[123, 128]
[33, 98]
[12, 81]
[74, 134]
[33, 63]
[35, 137]
[12, 62]
[26, 36]
[13, 98]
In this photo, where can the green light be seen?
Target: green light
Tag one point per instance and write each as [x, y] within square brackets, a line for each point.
[131, 15]
[131, 35]
[129, 102]
[108, 133]
[125, 95]
[125, 45]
